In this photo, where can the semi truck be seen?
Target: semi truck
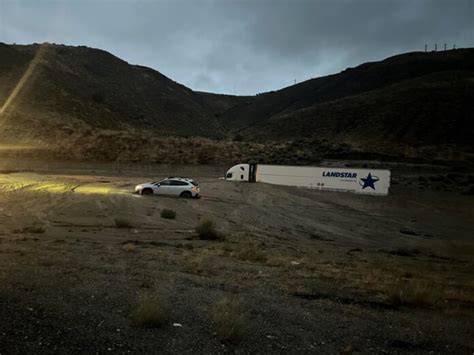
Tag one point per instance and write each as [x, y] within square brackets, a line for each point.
[365, 181]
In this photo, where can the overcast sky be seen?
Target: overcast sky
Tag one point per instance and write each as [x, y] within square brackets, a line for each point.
[240, 46]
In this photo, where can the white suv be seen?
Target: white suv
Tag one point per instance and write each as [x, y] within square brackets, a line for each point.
[171, 186]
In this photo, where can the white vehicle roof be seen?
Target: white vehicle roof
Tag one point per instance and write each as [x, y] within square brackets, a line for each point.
[179, 178]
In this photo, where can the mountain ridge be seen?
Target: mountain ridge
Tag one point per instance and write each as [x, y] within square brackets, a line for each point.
[411, 99]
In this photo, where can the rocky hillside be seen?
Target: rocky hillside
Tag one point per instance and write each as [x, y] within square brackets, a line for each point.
[78, 88]
[51, 93]
[414, 98]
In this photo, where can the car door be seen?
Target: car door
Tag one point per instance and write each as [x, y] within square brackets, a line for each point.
[163, 188]
[177, 187]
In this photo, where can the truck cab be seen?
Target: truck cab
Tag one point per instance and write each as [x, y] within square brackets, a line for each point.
[239, 172]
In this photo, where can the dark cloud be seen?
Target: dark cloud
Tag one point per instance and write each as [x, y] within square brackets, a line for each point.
[243, 46]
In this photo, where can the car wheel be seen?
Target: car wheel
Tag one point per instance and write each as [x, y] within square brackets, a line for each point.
[185, 194]
[147, 192]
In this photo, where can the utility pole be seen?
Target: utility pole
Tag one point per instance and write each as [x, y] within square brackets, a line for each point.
[445, 46]
[426, 48]
[436, 47]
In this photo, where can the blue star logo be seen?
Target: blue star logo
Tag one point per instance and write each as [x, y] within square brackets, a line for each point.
[369, 181]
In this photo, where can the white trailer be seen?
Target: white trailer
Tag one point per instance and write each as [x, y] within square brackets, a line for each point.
[365, 181]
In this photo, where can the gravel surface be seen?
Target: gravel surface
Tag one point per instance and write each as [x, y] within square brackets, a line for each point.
[307, 271]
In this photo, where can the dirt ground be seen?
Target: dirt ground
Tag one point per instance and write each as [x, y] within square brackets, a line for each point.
[300, 270]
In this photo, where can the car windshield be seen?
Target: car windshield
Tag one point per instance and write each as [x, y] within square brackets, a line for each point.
[193, 182]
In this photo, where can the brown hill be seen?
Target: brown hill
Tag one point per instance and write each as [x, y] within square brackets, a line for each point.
[433, 109]
[79, 88]
[54, 92]
[422, 98]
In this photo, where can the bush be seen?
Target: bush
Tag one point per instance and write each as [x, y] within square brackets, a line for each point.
[206, 230]
[129, 247]
[33, 229]
[123, 223]
[405, 252]
[151, 312]
[469, 191]
[98, 98]
[238, 138]
[250, 252]
[414, 293]
[205, 155]
[229, 321]
[168, 214]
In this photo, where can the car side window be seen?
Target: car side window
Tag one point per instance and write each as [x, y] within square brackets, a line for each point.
[178, 183]
[165, 183]
[229, 175]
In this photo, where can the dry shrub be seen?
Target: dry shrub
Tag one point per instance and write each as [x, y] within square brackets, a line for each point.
[152, 311]
[368, 279]
[278, 260]
[206, 230]
[205, 154]
[129, 247]
[228, 321]
[197, 262]
[246, 246]
[47, 262]
[414, 293]
[404, 252]
[457, 249]
[250, 251]
[226, 249]
[168, 214]
[122, 223]
[32, 230]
